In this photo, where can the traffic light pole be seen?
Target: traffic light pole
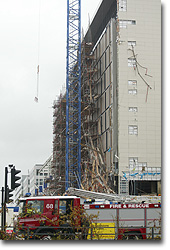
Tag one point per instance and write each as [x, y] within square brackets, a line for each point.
[7, 191]
[2, 212]
[6, 186]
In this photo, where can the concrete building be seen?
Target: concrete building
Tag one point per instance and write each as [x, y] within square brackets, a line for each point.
[121, 98]
[38, 176]
[139, 95]
[36, 182]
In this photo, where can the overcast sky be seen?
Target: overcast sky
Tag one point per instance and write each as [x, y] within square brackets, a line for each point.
[26, 126]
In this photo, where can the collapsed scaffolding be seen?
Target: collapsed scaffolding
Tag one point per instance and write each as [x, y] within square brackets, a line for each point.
[94, 169]
[94, 172]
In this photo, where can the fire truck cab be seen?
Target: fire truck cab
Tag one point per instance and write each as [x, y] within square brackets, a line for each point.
[41, 214]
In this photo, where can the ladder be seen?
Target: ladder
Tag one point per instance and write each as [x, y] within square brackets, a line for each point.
[113, 197]
[73, 95]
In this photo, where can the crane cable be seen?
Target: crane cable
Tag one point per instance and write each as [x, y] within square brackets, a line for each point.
[38, 58]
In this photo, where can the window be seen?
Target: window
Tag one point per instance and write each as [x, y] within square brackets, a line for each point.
[124, 23]
[62, 207]
[132, 83]
[22, 206]
[133, 22]
[37, 171]
[104, 80]
[133, 130]
[100, 67]
[105, 59]
[132, 91]
[133, 109]
[133, 162]
[101, 85]
[135, 165]
[56, 207]
[132, 43]
[106, 140]
[122, 5]
[131, 62]
[65, 206]
[36, 206]
[101, 124]
[142, 165]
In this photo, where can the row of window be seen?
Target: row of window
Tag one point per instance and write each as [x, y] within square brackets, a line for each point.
[44, 173]
[132, 43]
[131, 62]
[39, 182]
[134, 164]
[133, 109]
[122, 5]
[123, 23]
[132, 91]
[133, 161]
[61, 206]
[133, 85]
[133, 130]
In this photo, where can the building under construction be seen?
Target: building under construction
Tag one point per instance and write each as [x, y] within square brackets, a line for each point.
[120, 104]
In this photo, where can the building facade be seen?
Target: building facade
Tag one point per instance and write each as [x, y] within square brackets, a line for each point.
[35, 182]
[38, 176]
[139, 98]
[121, 99]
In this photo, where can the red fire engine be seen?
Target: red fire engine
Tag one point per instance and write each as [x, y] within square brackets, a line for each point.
[112, 220]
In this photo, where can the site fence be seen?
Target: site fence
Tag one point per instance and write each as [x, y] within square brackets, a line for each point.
[83, 233]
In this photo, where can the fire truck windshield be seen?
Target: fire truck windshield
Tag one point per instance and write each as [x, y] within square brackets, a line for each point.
[35, 206]
[22, 206]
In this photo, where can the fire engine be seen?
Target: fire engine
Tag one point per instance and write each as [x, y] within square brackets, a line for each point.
[112, 219]
[122, 217]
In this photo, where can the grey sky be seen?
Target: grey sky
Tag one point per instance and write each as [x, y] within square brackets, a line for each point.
[26, 126]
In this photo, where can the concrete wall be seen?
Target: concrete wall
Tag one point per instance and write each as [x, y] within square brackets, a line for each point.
[140, 23]
[128, 83]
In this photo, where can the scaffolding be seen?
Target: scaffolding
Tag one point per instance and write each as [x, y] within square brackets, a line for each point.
[78, 149]
[94, 170]
[94, 174]
[57, 182]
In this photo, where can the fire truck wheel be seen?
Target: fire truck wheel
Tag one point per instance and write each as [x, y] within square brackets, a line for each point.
[68, 233]
[132, 236]
[46, 236]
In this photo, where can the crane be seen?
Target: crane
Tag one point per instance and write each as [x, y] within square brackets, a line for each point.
[73, 95]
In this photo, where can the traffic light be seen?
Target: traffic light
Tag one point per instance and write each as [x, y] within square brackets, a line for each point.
[8, 195]
[15, 178]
